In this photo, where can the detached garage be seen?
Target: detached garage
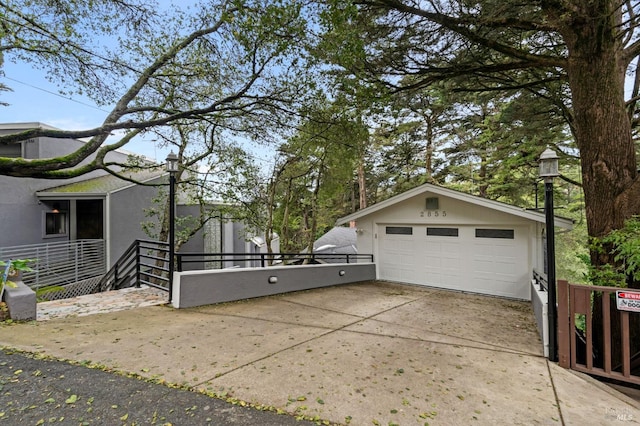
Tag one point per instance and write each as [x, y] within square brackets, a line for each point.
[439, 237]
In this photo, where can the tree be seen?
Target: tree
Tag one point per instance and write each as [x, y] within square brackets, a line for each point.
[232, 63]
[572, 51]
[494, 143]
[316, 174]
[408, 136]
[214, 175]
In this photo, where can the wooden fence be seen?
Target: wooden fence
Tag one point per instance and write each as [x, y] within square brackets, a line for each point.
[603, 347]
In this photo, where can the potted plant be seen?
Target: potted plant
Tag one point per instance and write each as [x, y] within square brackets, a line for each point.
[13, 269]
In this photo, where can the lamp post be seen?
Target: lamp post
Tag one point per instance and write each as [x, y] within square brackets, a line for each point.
[172, 168]
[549, 170]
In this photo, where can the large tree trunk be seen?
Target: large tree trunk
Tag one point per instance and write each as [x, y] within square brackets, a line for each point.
[362, 185]
[603, 134]
[596, 71]
[429, 149]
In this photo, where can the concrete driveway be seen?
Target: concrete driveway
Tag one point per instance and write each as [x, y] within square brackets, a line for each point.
[361, 354]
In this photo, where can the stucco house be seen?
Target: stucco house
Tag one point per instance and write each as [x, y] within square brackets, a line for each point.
[440, 237]
[95, 206]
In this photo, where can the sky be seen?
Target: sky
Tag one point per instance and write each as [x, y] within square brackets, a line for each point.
[34, 99]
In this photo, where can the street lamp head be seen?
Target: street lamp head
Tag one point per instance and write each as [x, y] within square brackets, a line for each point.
[172, 162]
[549, 164]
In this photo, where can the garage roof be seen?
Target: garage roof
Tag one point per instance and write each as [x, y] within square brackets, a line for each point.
[446, 192]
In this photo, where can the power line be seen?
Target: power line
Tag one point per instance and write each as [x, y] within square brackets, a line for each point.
[56, 94]
[249, 153]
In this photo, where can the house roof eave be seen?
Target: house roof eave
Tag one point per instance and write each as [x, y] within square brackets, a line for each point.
[69, 195]
[446, 192]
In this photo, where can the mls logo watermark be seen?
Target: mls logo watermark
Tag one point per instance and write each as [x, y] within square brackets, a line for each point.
[621, 415]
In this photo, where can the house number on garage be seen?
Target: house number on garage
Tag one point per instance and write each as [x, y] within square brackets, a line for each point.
[434, 213]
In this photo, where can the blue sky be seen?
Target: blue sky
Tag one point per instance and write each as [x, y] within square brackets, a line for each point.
[34, 99]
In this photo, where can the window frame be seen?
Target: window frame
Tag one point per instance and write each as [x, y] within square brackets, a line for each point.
[398, 230]
[496, 233]
[443, 231]
[65, 224]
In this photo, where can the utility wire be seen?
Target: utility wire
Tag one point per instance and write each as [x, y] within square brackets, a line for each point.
[68, 98]
[56, 94]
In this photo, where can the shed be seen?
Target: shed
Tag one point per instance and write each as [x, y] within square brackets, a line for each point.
[440, 237]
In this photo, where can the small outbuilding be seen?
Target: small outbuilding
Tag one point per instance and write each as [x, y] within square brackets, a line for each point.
[439, 237]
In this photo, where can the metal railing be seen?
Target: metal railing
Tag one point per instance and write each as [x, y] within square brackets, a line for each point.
[225, 260]
[65, 263]
[540, 278]
[144, 262]
[59, 263]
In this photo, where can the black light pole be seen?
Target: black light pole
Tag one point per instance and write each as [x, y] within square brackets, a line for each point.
[172, 168]
[549, 170]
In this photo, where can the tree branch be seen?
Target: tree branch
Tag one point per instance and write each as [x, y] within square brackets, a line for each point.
[462, 27]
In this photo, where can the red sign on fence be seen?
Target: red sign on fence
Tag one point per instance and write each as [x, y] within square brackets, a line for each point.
[628, 300]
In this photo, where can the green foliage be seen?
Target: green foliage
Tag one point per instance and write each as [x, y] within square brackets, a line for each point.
[571, 250]
[239, 67]
[624, 245]
[42, 292]
[314, 182]
[606, 275]
[12, 267]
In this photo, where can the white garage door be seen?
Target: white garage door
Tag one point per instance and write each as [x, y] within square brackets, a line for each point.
[483, 260]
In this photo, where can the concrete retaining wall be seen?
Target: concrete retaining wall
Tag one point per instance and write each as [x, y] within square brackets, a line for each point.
[197, 288]
[540, 309]
[21, 301]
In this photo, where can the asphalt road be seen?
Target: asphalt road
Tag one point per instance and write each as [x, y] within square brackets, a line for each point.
[51, 392]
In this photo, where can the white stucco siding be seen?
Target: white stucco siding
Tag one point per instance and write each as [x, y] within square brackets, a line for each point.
[496, 266]
[365, 236]
[450, 211]
[455, 240]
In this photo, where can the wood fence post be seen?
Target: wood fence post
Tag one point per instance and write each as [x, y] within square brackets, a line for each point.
[564, 332]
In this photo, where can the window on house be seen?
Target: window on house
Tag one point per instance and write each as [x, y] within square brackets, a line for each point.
[495, 233]
[11, 151]
[399, 230]
[55, 223]
[442, 232]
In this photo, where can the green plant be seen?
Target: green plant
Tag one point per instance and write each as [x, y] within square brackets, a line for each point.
[13, 267]
[43, 292]
[603, 275]
[624, 245]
